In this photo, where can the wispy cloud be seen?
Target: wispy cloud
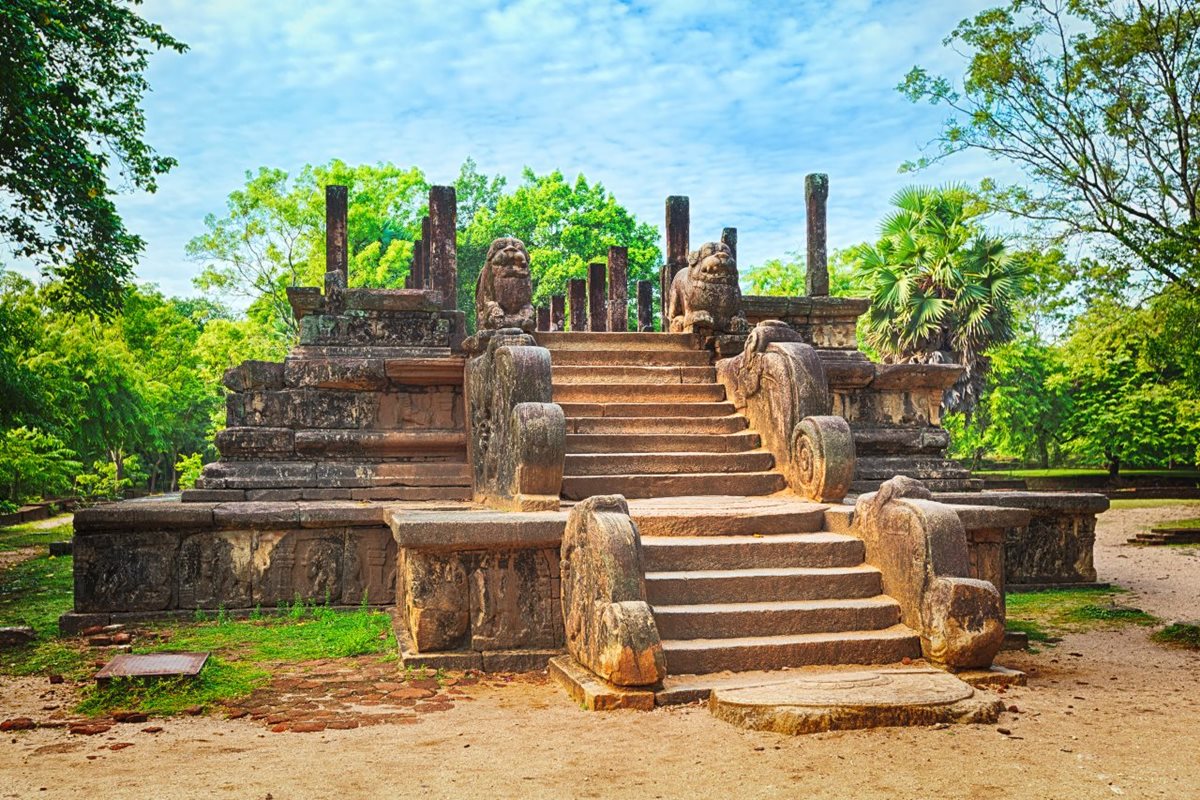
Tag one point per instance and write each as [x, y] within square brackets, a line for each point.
[732, 104]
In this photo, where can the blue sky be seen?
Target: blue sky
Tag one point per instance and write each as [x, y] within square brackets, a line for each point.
[731, 103]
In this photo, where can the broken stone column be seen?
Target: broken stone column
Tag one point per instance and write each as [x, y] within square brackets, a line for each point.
[577, 290]
[543, 318]
[443, 249]
[418, 264]
[816, 192]
[618, 288]
[426, 233]
[678, 234]
[609, 625]
[645, 306]
[335, 246]
[729, 239]
[558, 316]
[597, 298]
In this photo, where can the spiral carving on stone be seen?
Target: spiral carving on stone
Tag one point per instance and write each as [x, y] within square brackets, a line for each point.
[822, 458]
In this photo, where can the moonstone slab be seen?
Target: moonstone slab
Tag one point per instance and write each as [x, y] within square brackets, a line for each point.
[826, 701]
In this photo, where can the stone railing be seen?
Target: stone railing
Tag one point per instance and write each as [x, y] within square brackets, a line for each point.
[921, 548]
[517, 434]
[779, 382]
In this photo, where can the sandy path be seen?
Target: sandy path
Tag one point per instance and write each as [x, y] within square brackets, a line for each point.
[1165, 580]
[1106, 714]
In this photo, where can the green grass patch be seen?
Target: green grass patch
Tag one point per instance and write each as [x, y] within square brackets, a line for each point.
[1179, 634]
[1146, 502]
[219, 682]
[1031, 629]
[1061, 610]
[29, 535]
[1189, 524]
[1073, 472]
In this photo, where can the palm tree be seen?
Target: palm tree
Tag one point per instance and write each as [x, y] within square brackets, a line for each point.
[941, 288]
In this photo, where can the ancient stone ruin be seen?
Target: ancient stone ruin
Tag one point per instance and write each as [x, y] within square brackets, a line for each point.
[740, 491]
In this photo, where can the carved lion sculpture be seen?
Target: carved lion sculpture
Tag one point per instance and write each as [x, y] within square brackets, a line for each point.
[503, 296]
[705, 297]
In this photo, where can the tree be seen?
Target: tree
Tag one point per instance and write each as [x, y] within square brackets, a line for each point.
[1098, 102]
[1026, 403]
[565, 226]
[273, 235]
[941, 288]
[71, 83]
[785, 277]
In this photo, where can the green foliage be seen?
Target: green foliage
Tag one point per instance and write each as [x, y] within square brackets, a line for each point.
[941, 288]
[187, 468]
[1099, 103]
[32, 534]
[1179, 634]
[71, 84]
[102, 483]
[34, 464]
[272, 235]
[220, 681]
[778, 277]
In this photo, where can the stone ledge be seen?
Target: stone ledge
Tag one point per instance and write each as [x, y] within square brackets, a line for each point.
[594, 694]
[1057, 502]
[481, 530]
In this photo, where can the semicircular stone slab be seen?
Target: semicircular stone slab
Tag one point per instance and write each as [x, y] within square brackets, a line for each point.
[826, 701]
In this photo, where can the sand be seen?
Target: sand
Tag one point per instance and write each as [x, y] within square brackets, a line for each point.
[1106, 713]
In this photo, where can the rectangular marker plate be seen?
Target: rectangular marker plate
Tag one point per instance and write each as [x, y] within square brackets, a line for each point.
[153, 665]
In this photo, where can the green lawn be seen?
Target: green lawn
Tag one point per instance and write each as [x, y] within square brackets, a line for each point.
[1076, 472]
[35, 592]
[1133, 502]
[1044, 615]
[29, 534]
[1180, 523]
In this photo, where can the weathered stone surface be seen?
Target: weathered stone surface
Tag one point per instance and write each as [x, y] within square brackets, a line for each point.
[593, 694]
[436, 603]
[449, 531]
[597, 298]
[256, 442]
[298, 563]
[514, 600]
[442, 258]
[645, 306]
[816, 273]
[369, 567]
[705, 297]
[392, 300]
[504, 292]
[127, 571]
[517, 435]
[578, 303]
[825, 701]
[558, 319]
[920, 547]
[142, 516]
[214, 570]
[618, 288]
[362, 374]
[16, 636]
[254, 375]
[822, 459]
[609, 625]
[400, 328]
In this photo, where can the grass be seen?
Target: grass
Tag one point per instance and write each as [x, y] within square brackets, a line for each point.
[1076, 472]
[1180, 523]
[1179, 634]
[1151, 503]
[1043, 615]
[29, 535]
[37, 591]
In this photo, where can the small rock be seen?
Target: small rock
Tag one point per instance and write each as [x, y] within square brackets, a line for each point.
[308, 727]
[120, 745]
[1014, 710]
[56, 679]
[130, 716]
[112, 628]
[152, 729]
[194, 711]
[89, 728]
[18, 724]
[16, 636]
[99, 641]
[92, 630]
[906, 661]
[236, 713]
[122, 638]
[1004, 731]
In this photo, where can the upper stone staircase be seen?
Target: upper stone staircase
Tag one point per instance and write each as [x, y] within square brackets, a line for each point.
[646, 417]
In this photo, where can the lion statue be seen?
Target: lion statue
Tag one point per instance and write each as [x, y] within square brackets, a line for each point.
[705, 297]
[504, 293]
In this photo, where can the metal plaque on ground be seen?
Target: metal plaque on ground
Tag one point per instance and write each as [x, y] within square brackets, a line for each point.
[153, 665]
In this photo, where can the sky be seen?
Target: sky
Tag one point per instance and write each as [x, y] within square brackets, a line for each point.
[731, 103]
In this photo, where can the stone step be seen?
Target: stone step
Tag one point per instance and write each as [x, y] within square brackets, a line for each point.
[707, 517]
[634, 486]
[646, 358]
[663, 443]
[734, 423]
[681, 463]
[754, 585]
[674, 553]
[632, 374]
[696, 656]
[638, 392]
[631, 409]
[775, 618]
[615, 340]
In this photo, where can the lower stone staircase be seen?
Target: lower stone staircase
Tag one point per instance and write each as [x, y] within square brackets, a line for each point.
[764, 587]
[647, 418]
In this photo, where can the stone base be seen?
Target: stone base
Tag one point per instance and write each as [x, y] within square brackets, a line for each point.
[828, 701]
[463, 660]
[994, 676]
[594, 694]
[1015, 640]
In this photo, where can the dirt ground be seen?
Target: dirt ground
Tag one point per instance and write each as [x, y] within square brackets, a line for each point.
[1106, 713]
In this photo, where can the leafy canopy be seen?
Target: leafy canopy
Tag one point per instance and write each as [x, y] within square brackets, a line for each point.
[1098, 102]
[71, 83]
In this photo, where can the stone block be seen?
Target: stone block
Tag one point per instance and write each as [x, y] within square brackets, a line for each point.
[256, 442]
[254, 376]
[513, 600]
[214, 570]
[259, 475]
[127, 571]
[142, 516]
[333, 408]
[305, 564]
[369, 567]
[362, 299]
[261, 409]
[436, 602]
[256, 516]
[437, 408]
[361, 374]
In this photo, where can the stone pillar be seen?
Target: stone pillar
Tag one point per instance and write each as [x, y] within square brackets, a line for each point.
[618, 288]
[816, 192]
[558, 315]
[577, 289]
[678, 226]
[729, 239]
[597, 298]
[418, 268]
[543, 318]
[645, 306]
[335, 247]
[443, 249]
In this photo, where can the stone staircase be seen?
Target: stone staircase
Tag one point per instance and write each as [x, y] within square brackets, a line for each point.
[647, 418]
[765, 589]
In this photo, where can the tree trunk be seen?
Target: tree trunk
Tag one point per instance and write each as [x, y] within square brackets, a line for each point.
[1043, 453]
[1114, 465]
